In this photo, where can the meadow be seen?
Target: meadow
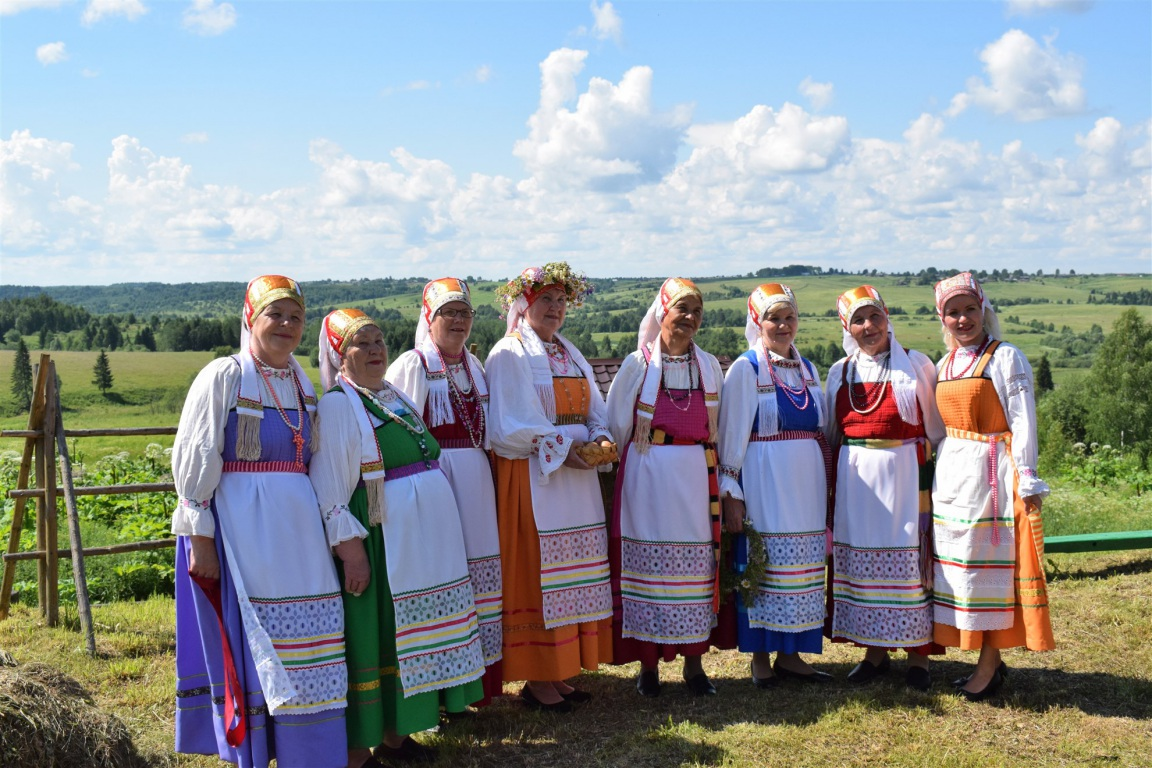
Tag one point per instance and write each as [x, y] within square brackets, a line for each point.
[1088, 703]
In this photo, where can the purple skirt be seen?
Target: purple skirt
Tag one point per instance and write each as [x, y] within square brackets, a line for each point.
[316, 740]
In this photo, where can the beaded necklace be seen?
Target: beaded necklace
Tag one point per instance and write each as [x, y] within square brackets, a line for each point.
[418, 431]
[949, 374]
[558, 353]
[693, 366]
[873, 402]
[799, 396]
[297, 430]
[474, 425]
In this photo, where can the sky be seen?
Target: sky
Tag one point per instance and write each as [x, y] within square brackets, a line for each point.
[198, 140]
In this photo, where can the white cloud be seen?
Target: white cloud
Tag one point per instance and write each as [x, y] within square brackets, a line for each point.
[51, 53]
[765, 141]
[205, 17]
[415, 85]
[1025, 80]
[603, 189]
[482, 74]
[819, 95]
[613, 139]
[12, 7]
[89, 73]
[196, 137]
[98, 10]
[1037, 7]
[607, 24]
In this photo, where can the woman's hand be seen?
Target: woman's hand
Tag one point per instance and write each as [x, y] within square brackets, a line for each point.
[573, 459]
[733, 514]
[357, 572]
[202, 561]
[1033, 503]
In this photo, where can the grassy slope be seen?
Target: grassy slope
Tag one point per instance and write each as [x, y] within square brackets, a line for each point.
[1087, 703]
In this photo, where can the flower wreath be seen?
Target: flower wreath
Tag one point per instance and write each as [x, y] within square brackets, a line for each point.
[576, 285]
[748, 582]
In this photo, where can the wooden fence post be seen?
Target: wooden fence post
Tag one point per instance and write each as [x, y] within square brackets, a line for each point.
[51, 518]
[79, 575]
[35, 415]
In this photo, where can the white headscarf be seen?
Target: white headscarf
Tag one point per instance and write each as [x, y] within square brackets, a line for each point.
[673, 289]
[336, 331]
[437, 293]
[760, 301]
[260, 293]
[903, 379]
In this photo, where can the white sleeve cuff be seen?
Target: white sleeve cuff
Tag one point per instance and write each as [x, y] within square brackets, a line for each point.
[193, 518]
[1030, 484]
[341, 525]
[729, 485]
[551, 451]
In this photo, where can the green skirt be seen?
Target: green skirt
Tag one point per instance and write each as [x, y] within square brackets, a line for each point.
[376, 702]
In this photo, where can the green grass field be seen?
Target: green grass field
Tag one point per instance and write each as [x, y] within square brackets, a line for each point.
[1089, 703]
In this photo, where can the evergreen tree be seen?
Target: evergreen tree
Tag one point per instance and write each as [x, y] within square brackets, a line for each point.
[102, 373]
[1044, 375]
[146, 339]
[22, 377]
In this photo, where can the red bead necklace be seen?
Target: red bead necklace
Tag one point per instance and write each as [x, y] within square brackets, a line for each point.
[949, 374]
[298, 429]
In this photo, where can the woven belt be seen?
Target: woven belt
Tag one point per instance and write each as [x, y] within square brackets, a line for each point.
[414, 468]
[265, 466]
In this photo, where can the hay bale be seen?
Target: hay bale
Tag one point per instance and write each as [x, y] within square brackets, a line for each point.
[48, 720]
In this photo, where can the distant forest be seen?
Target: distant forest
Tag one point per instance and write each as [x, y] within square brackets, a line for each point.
[204, 316]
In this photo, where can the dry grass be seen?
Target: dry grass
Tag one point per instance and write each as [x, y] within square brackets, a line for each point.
[1087, 703]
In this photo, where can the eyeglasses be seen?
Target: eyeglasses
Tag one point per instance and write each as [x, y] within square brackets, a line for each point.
[452, 314]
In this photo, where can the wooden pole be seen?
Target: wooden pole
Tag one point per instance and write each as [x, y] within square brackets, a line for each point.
[108, 432]
[95, 490]
[51, 521]
[111, 549]
[41, 539]
[79, 576]
[35, 414]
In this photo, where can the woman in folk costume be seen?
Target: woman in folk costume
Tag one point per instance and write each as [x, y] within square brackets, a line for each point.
[446, 382]
[990, 592]
[775, 469]
[665, 536]
[260, 672]
[884, 423]
[411, 627]
[553, 539]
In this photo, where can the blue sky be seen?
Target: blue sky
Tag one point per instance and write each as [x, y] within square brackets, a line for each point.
[202, 140]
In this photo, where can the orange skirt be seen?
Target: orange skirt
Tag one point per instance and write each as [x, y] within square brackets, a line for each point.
[1032, 625]
[532, 652]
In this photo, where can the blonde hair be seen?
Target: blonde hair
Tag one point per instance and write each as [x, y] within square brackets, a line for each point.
[991, 326]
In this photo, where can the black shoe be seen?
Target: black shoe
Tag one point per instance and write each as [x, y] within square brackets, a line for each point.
[561, 707]
[987, 692]
[763, 683]
[960, 682]
[409, 751]
[648, 683]
[918, 678]
[810, 677]
[866, 671]
[577, 697]
[700, 685]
